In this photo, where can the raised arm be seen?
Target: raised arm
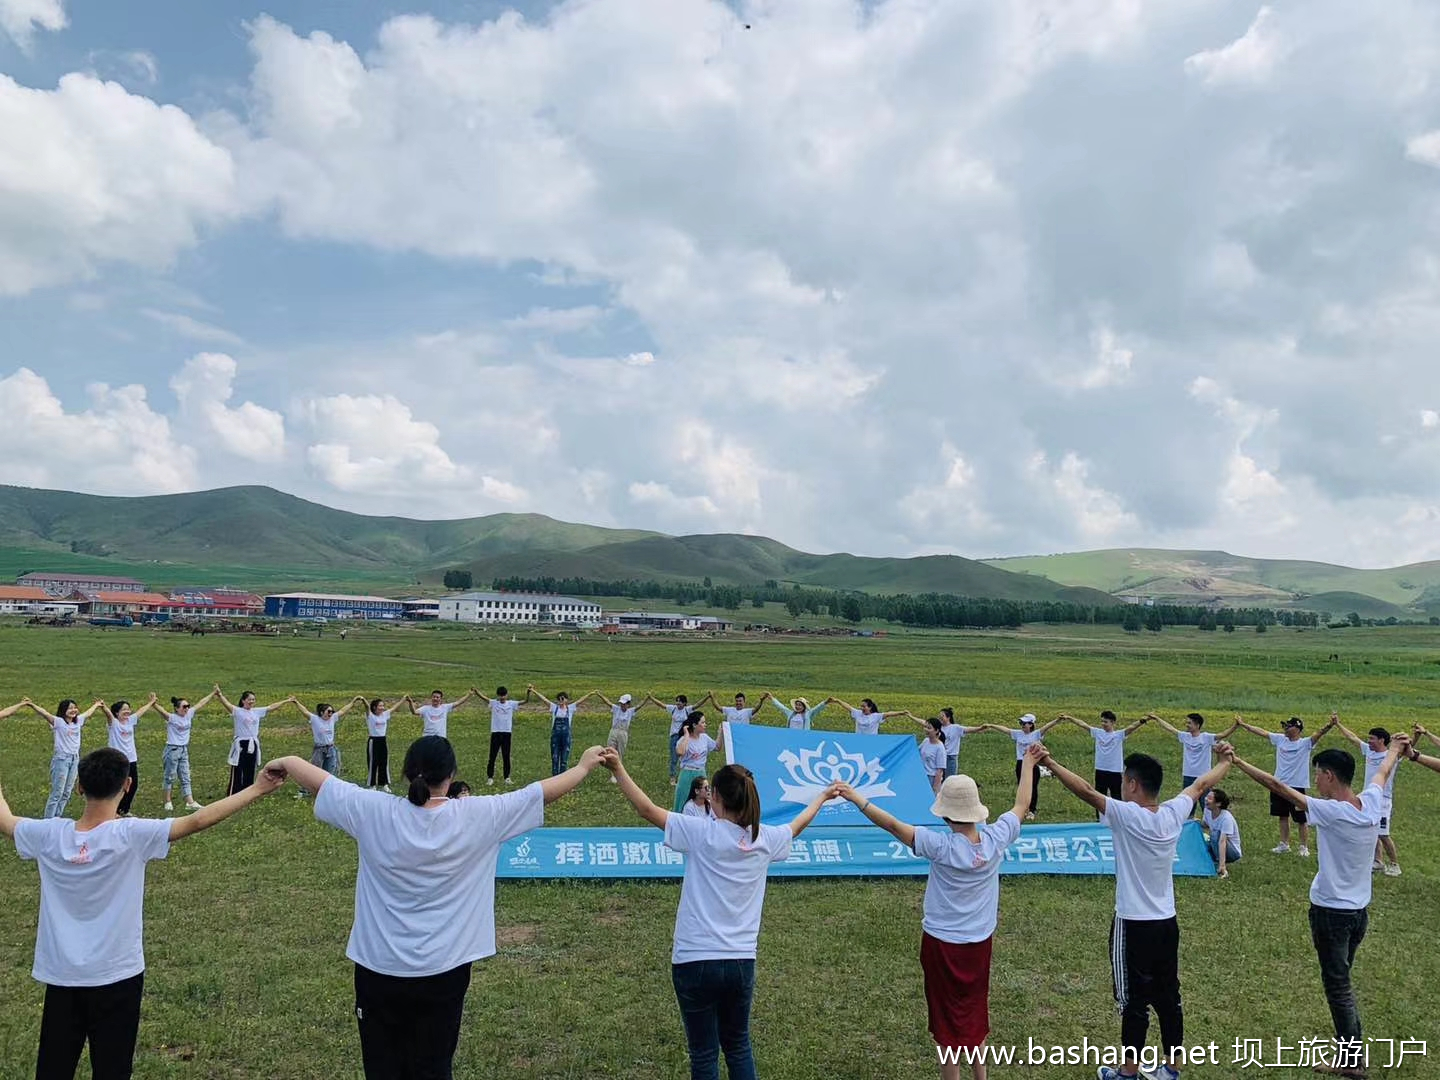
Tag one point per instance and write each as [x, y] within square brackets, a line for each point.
[1423, 733]
[602, 697]
[196, 706]
[291, 700]
[582, 698]
[1202, 784]
[892, 712]
[143, 709]
[410, 704]
[99, 704]
[44, 714]
[1033, 755]
[1431, 763]
[548, 703]
[223, 699]
[1160, 720]
[806, 816]
[216, 812]
[1265, 780]
[978, 728]
[1078, 723]
[1398, 746]
[463, 698]
[843, 704]
[1043, 728]
[8, 820]
[310, 777]
[1136, 726]
[1221, 736]
[877, 816]
[556, 787]
[1073, 783]
[348, 706]
[1334, 722]
[610, 758]
[784, 709]
[1251, 728]
[23, 703]
[1350, 735]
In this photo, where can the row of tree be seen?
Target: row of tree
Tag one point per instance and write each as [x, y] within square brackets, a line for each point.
[927, 609]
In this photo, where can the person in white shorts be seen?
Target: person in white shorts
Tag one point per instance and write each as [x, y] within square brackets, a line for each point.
[1374, 748]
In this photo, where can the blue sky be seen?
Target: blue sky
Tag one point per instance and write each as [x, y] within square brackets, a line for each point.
[893, 278]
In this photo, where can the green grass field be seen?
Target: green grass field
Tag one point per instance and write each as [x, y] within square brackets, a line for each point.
[246, 924]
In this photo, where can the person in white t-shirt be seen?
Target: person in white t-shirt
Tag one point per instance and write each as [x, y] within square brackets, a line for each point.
[424, 896]
[121, 731]
[952, 733]
[502, 727]
[741, 712]
[179, 724]
[1292, 766]
[66, 723]
[435, 715]
[695, 747]
[1374, 748]
[678, 712]
[89, 950]
[1431, 763]
[377, 744]
[622, 715]
[962, 901]
[1109, 750]
[799, 716]
[1026, 736]
[868, 716]
[1197, 746]
[718, 923]
[245, 746]
[324, 753]
[1347, 827]
[562, 721]
[1144, 935]
[932, 753]
[1224, 832]
[697, 803]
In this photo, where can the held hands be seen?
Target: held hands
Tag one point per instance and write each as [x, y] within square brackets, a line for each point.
[1226, 751]
[1036, 753]
[592, 757]
[610, 759]
[272, 777]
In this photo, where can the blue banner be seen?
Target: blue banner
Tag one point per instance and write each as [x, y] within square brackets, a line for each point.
[792, 767]
[823, 851]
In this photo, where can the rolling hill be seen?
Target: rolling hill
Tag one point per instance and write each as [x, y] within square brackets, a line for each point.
[1199, 576]
[260, 537]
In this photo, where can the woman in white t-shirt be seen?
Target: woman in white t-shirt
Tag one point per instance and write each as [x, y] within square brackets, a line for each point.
[694, 749]
[1224, 832]
[179, 723]
[424, 896]
[245, 746]
[932, 753]
[799, 715]
[377, 744]
[962, 902]
[121, 730]
[868, 716]
[1026, 736]
[718, 922]
[324, 752]
[65, 723]
[697, 802]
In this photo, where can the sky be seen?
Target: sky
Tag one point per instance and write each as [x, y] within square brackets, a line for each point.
[892, 277]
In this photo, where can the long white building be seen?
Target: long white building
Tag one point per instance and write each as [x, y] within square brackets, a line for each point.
[542, 609]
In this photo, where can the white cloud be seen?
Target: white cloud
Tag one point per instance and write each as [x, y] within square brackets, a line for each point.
[951, 513]
[697, 509]
[21, 18]
[91, 174]
[558, 320]
[1429, 418]
[1249, 58]
[640, 359]
[118, 446]
[190, 327]
[250, 431]
[1424, 148]
[1097, 515]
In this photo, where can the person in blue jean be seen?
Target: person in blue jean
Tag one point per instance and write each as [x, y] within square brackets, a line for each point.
[65, 723]
[717, 925]
[562, 719]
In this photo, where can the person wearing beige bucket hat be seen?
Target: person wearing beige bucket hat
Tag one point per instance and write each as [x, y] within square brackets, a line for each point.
[962, 901]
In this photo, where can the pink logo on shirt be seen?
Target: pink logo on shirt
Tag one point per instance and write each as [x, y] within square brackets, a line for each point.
[81, 856]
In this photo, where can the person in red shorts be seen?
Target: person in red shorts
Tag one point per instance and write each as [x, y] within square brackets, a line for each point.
[962, 901]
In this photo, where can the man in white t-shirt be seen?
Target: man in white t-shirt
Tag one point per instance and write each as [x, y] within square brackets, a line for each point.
[741, 712]
[1292, 766]
[1196, 745]
[502, 727]
[1347, 826]
[1109, 751]
[89, 946]
[1374, 748]
[435, 717]
[1144, 935]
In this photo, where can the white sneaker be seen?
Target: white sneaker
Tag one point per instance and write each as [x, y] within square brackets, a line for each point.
[1304, 853]
[1392, 870]
[387, 790]
[490, 781]
[1376, 865]
[191, 804]
[614, 779]
[1280, 849]
[1029, 815]
[509, 781]
[171, 806]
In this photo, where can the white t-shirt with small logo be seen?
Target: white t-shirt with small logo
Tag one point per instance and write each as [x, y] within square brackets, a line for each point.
[377, 724]
[1023, 741]
[1373, 760]
[737, 716]
[962, 896]
[678, 715]
[932, 756]
[866, 723]
[322, 729]
[724, 887]
[697, 753]
[1345, 839]
[502, 714]
[67, 736]
[122, 736]
[1145, 843]
[435, 718]
[177, 727]
[247, 722]
[620, 718]
[1109, 749]
[1292, 760]
[1197, 751]
[425, 889]
[952, 734]
[92, 896]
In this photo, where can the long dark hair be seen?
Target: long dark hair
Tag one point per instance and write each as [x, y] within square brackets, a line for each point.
[692, 723]
[429, 762]
[117, 706]
[734, 786]
[695, 788]
[64, 707]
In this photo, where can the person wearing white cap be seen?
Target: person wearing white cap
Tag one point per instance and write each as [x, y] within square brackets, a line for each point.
[1144, 934]
[799, 715]
[622, 712]
[1026, 736]
[1292, 766]
[962, 900]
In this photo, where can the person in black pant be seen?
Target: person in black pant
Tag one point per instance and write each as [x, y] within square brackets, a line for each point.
[1144, 934]
[1347, 828]
[88, 949]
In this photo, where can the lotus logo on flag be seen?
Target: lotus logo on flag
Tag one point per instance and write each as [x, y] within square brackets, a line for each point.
[815, 770]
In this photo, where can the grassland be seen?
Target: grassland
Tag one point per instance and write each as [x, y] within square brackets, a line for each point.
[246, 924]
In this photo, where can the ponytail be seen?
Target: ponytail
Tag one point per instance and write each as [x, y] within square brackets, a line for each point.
[429, 763]
[734, 786]
[175, 703]
[692, 723]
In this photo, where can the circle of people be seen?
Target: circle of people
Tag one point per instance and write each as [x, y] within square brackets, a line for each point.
[415, 937]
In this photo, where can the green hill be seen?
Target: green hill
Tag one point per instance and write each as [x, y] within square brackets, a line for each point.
[1196, 576]
[262, 538]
